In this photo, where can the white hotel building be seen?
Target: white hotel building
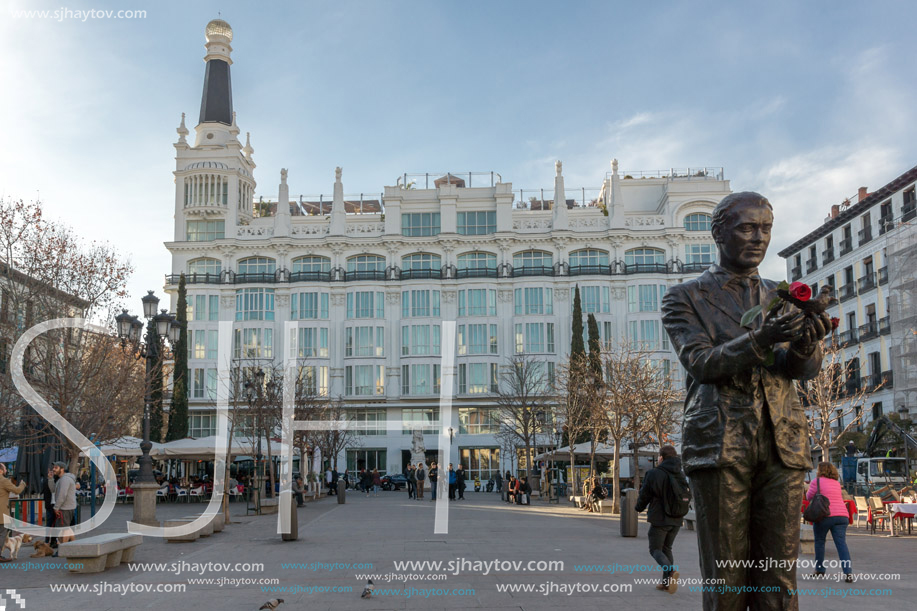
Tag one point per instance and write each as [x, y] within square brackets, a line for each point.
[371, 278]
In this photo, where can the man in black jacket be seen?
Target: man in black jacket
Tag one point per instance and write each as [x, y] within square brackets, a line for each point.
[663, 527]
[47, 484]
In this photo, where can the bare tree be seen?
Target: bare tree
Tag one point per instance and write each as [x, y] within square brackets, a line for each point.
[831, 397]
[576, 403]
[524, 402]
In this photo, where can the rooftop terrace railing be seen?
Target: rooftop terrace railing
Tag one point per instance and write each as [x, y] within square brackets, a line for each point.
[704, 173]
[432, 180]
[543, 199]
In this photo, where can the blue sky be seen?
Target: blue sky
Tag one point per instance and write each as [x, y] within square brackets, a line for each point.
[802, 101]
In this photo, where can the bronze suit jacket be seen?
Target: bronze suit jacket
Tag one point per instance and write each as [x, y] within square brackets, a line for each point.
[727, 381]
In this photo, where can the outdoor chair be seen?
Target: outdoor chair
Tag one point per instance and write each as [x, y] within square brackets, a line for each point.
[878, 511]
[182, 494]
[197, 493]
[862, 509]
[234, 493]
[162, 493]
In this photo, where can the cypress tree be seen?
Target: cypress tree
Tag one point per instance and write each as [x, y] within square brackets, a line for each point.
[577, 349]
[595, 349]
[178, 413]
[156, 414]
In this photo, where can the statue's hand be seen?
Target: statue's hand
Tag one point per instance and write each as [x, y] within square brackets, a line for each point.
[777, 329]
[817, 326]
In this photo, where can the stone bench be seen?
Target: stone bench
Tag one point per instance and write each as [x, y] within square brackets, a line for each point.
[204, 531]
[95, 554]
[578, 500]
[270, 505]
[690, 520]
[605, 506]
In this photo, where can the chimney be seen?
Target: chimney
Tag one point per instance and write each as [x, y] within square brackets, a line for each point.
[862, 193]
[835, 210]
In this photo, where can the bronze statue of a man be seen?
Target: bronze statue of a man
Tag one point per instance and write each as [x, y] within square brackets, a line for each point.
[745, 441]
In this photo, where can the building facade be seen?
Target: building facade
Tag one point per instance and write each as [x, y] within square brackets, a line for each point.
[862, 250]
[370, 279]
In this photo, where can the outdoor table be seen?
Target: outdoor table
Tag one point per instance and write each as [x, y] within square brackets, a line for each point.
[851, 509]
[901, 511]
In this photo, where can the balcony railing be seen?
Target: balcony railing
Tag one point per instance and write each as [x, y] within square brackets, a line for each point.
[866, 283]
[415, 274]
[865, 235]
[883, 275]
[692, 268]
[847, 337]
[811, 265]
[909, 212]
[827, 256]
[796, 273]
[533, 271]
[645, 268]
[366, 274]
[193, 278]
[869, 330]
[267, 278]
[848, 291]
[873, 382]
[310, 276]
[476, 272]
[590, 270]
[885, 326]
[846, 246]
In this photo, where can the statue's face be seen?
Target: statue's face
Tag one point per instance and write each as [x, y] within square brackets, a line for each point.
[744, 238]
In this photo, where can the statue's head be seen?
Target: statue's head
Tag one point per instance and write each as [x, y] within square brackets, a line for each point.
[741, 227]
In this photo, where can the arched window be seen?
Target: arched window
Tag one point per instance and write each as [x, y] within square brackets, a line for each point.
[311, 263]
[366, 263]
[698, 221]
[644, 260]
[421, 260]
[204, 265]
[533, 258]
[477, 260]
[588, 258]
[257, 265]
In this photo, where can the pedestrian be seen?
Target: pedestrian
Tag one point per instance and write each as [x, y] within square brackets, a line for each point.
[434, 477]
[460, 482]
[665, 491]
[410, 480]
[47, 491]
[328, 480]
[64, 499]
[498, 482]
[377, 482]
[453, 482]
[6, 487]
[298, 491]
[826, 483]
[421, 475]
[334, 481]
[366, 481]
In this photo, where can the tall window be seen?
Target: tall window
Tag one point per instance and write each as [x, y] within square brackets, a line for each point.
[314, 380]
[421, 260]
[478, 420]
[420, 340]
[257, 265]
[203, 307]
[477, 302]
[364, 341]
[698, 221]
[310, 342]
[477, 378]
[364, 379]
[593, 299]
[645, 297]
[311, 263]
[588, 258]
[366, 304]
[204, 266]
[420, 379]
[477, 223]
[647, 334]
[253, 343]
[534, 337]
[255, 304]
[644, 256]
[423, 419]
[202, 424]
[700, 253]
[477, 339]
[369, 421]
[419, 303]
[366, 263]
[477, 260]
[533, 258]
[417, 224]
[534, 300]
[205, 231]
[307, 306]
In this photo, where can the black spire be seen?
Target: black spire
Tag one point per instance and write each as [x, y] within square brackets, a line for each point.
[216, 101]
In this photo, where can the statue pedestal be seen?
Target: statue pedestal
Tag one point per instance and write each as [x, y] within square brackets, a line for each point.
[145, 503]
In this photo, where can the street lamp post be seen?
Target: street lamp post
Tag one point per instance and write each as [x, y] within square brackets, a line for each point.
[253, 392]
[558, 435]
[159, 327]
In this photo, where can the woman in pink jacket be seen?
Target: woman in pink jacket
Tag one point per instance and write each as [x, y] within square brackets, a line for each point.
[836, 521]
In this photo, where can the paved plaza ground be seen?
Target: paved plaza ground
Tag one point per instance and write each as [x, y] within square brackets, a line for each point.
[379, 531]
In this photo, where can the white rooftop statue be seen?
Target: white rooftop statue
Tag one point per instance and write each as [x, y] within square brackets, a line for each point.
[558, 167]
[337, 173]
[283, 176]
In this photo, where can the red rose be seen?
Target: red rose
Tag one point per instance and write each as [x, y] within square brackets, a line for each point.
[835, 322]
[801, 291]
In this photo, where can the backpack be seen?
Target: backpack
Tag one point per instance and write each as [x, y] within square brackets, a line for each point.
[676, 498]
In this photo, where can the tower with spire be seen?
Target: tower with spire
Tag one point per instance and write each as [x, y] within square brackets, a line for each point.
[214, 181]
